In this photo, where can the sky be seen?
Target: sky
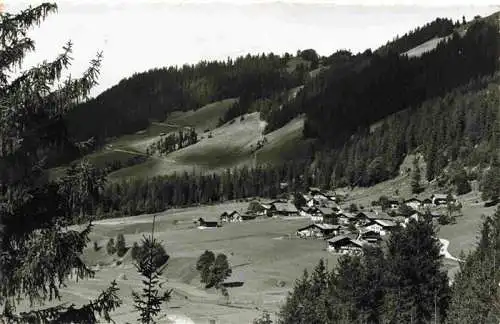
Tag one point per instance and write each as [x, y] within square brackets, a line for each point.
[137, 35]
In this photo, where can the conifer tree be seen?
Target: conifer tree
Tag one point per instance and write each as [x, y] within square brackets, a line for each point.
[416, 177]
[37, 252]
[120, 246]
[414, 274]
[148, 303]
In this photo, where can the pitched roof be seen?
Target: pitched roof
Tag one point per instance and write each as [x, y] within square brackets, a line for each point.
[209, 219]
[383, 215]
[326, 211]
[341, 238]
[369, 215]
[285, 207]
[412, 199]
[229, 213]
[327, 226]
[338, 238]
[346, 214]
[385, 222]
[440, 196]
[323, 227]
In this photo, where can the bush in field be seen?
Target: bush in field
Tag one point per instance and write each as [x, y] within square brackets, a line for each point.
[120, 246]
[134, 252]
[96, 246]
[110, 247]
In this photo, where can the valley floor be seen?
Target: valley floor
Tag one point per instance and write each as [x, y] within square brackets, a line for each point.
[265, 256]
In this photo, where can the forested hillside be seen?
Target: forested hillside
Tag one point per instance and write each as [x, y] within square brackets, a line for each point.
[390, 83]
[129, 106]
[365, 112]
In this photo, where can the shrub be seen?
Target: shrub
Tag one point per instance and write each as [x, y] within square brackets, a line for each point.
[120, 246]
[96, 246]
[353, 208]
[110, 247]
[134, 252]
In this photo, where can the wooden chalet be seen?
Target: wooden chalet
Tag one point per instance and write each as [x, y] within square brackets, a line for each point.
[364, 218]
[370, 236]
[395, 202]
[413, 203]
[441, 199]
[258, 208]
[230, 217]
[343, 244]
[345, 218]
[381, 226]
[318, 231]
[284, 209]
[426, 203]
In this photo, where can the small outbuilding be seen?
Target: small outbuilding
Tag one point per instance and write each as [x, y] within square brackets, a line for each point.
[208, 222]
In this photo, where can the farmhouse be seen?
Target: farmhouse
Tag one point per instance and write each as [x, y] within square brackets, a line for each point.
[330, 195]
[318, 230]
[311, 212]
[426, 203]
[230, 217]
[208, 222]
[311, 202]
[345, 245]
[381, 226]
[441, 199]
[414, 203]
[395, 202]
[370, 236]
[284, 209]
[345, 218]
[258, 208]
[332, 205]
[365, 218]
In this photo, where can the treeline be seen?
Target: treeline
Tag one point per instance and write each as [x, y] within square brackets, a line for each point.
[110, 166]
[173, 142]
[440, 27]
[138, 196]
[404, 282]
[128, 106]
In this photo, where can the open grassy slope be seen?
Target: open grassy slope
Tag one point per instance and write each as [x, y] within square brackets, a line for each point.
[233, 144]
[264, 259]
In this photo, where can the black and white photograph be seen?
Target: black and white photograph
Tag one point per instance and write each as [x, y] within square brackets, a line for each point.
[249, 162]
